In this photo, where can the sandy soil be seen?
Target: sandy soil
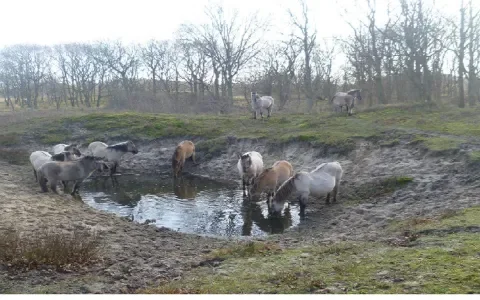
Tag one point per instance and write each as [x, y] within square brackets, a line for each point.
[136, 255]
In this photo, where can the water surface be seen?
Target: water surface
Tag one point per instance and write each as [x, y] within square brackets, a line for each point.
[190, 204]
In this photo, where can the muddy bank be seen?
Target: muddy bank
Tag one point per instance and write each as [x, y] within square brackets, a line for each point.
[133, 254]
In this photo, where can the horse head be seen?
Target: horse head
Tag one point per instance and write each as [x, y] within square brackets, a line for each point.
[246, 162]
[131, 147]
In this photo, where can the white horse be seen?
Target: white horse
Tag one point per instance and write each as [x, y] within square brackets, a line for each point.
[347, 99]
[112, 153]
[261, 104]
[72, 148]
[250, 165]
[39, 158]
[322, 181]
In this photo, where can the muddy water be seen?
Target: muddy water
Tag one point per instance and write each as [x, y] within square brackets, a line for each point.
[190, 204]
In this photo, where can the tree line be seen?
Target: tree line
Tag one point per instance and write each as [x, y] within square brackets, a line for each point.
[417, 54]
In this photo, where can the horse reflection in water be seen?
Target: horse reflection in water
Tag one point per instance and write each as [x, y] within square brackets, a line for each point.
[252, 213]
[185, 188]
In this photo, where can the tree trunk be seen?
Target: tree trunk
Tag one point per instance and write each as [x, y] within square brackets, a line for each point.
[461, 56]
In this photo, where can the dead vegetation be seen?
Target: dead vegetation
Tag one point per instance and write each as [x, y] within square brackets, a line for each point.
[48, 248]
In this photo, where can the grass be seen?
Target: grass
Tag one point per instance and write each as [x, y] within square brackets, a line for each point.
[335, 131]
[439, 144]
[436, 264]
[14, 156]
[50, 248]
[474, 156]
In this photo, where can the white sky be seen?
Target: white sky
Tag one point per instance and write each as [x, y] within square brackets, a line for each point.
[62, 21]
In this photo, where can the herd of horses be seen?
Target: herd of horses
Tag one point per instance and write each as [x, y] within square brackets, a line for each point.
[278, 182]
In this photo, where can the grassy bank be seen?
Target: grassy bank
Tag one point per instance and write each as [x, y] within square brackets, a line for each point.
[332, 130]
[438, 255]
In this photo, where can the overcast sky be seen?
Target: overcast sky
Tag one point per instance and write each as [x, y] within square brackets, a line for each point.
[62, 21]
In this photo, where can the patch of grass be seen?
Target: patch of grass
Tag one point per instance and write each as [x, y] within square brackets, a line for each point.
[377, 188]
[14, 157]
[9, 139]
[62, 250]
[248, 249]
[474, 156]
[445, 219]
[212, 147]
[440, 144]
[437, 265]
[390, 143]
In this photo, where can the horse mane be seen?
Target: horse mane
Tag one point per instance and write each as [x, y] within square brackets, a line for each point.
[119, 147]
[319, 167]
[353, 91]
[285, 189]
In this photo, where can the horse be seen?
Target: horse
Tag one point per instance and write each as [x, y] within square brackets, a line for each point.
[249, 165]
[39, 158]
[271, 178]
[347, 99]
[260, 104]
[72, 148]
[324, 180]
[112, 153]
[183, 151]
[76, 170]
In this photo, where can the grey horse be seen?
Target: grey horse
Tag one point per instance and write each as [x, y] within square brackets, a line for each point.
[76, 170]
[260, 104]
[347, 99]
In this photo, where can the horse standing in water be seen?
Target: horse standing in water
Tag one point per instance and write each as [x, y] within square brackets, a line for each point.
[271, 178]
[183, 151]
[261, 104]
[249, 165]
[347, 99]
[324, 180]
[112, 153]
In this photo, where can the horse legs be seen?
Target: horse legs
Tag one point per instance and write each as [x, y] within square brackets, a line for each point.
[53, 186]
[261, 114]
[255, 114]
[43, 184]
[328, 199]
[302, 200]
[335, 191]
[244, 186]
[76, 187]
[269, 110]
[193, 158]
[35, 173]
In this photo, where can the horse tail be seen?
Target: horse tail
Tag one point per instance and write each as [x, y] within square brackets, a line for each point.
[331, 100]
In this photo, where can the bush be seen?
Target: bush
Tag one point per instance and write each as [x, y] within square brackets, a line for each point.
[48, 247]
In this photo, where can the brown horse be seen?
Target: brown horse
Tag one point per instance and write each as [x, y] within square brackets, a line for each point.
[184, 151]
[271, 178]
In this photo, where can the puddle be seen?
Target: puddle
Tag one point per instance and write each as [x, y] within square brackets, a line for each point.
[189, 204]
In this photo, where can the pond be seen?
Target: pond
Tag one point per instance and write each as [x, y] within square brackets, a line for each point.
[189, 204]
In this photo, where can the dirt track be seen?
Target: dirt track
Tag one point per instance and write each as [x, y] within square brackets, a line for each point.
[136, 255]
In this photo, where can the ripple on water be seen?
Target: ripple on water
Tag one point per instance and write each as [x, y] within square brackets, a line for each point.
[189, 204]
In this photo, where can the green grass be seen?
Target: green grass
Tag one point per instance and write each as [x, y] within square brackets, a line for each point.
[439, 144]
[474, 156]
[435, 264]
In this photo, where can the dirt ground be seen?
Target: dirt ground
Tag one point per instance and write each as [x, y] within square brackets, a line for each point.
[137, 255]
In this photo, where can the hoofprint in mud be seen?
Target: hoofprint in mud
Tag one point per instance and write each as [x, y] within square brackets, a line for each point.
[137, 255]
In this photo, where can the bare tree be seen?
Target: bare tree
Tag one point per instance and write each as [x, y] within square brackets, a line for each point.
[308, 41]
